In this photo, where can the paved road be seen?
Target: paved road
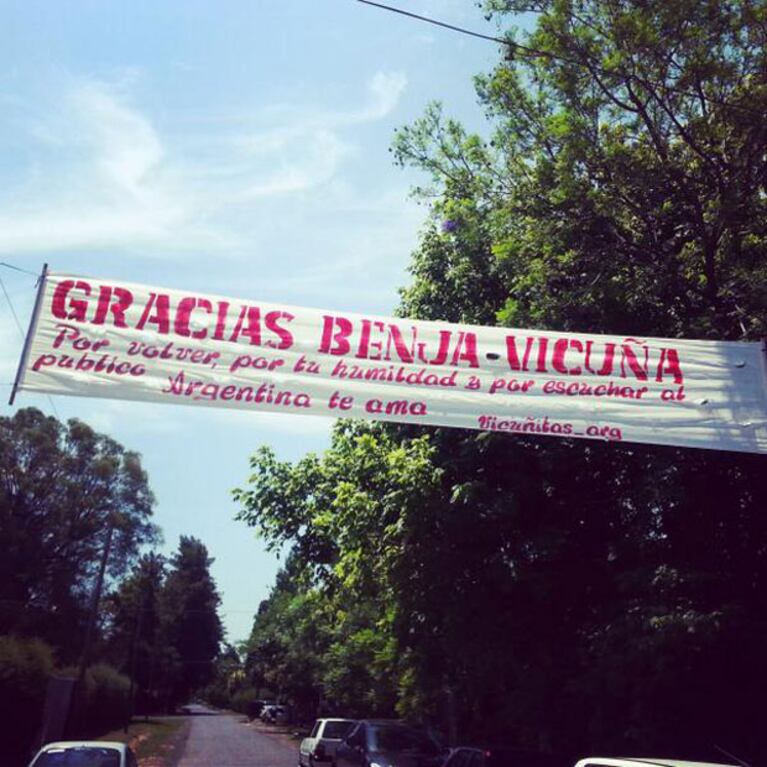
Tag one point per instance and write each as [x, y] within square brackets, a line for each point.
[223, 740]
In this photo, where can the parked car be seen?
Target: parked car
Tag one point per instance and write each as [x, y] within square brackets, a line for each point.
[322, 742]
[266, 711]
[255, 707]
[598, 761]
[388, 743]
[275, 714]
[84, 753]
[280, 715]
[501, 756]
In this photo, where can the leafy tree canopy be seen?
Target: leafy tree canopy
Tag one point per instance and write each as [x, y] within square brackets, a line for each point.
[622, 188]
[192, 626]
[566, 596]
[61, 487]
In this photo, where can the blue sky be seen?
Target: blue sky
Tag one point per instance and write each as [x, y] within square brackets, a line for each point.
[236, 148]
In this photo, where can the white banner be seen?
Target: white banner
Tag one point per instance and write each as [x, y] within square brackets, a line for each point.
[105, 338]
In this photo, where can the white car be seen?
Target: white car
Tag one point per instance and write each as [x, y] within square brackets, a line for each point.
[84, 753]
[598, 761]
[323, 741]
[275, 714]
[266, 712]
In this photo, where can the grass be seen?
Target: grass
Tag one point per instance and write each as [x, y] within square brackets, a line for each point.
[157, 739]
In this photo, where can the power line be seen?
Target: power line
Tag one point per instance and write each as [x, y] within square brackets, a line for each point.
[18, 324]
[437, 23]
[13, 311]
[17, 268]
[534, 52]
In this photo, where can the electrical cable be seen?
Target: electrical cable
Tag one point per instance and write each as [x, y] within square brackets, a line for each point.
[13, 311]
[18, 324]
[17, 268]
[438, 23]
[533, 52]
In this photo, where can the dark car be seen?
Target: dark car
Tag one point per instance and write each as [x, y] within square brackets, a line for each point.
[388, 743]
[492, 756]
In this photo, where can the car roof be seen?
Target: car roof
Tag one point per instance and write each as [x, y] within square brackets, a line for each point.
[390, 723]
[63, 744]
[642, 760]
[521, 754]
[500, 748]
[383, 721]
[86, 744]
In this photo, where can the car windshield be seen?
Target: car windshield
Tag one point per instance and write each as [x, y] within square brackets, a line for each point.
[86, 756]
[401, 738]
[506, 757]
[337, 730]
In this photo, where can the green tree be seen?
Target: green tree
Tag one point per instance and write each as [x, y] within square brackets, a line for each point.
[61, 487]
[622, 190]
[568, 596]
[230, 687]
[285, 647]
[25, 666]
[192, 628]
[622, 186]
[136, 635]
[338, 600]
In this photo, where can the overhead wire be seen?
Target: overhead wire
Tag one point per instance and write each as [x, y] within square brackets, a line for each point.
[17, 268]
[436, 22]
[22, 334]
[10, 306]
[534, 52]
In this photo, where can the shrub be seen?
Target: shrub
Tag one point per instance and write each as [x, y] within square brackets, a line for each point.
[25, 666]
[243, 699]
[107, 693]
[217, 695]
[102, 702]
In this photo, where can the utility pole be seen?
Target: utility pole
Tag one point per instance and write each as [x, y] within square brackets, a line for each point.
[96, 598]
[134, 661]
[78, 699]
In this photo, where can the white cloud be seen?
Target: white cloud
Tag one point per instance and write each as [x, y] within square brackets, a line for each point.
[96, 179]
[385, 91]
[101, 174]
[308, 159]
[124, 143]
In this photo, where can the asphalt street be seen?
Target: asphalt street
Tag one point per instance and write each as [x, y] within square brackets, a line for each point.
[226, 740]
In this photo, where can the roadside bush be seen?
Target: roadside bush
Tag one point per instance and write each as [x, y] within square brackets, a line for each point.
[243, 700]
[217, 695]
[25, 666]
[107, 693]
[104, 702]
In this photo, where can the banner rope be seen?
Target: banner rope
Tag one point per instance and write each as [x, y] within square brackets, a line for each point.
[10, 306]
[18, 324]
[17, 268]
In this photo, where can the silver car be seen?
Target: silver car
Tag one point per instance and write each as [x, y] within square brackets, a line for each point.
[321, 744]
[84, 753]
